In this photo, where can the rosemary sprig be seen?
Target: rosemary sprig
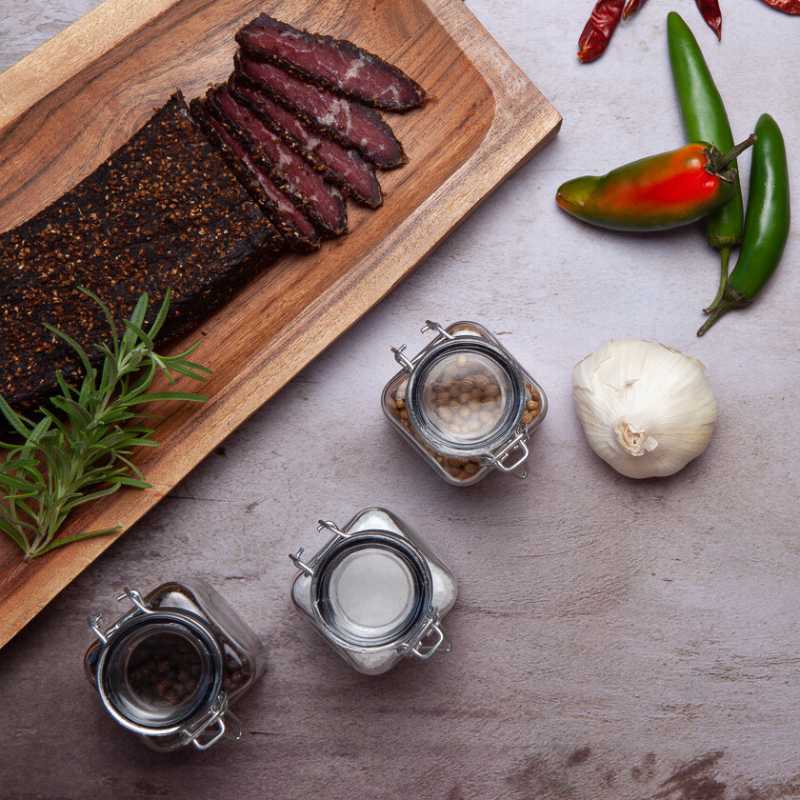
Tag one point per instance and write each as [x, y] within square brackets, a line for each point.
[80, 449]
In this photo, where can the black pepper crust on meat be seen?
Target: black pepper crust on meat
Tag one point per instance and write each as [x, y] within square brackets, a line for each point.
[292, 223]
[335, 64]
[164, 211]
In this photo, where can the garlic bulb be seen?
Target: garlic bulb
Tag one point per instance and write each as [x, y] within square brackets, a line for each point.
[646, 409]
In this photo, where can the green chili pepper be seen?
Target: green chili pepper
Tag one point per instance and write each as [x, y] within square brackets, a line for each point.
[705, 120]
[655, 193]
[766, 228]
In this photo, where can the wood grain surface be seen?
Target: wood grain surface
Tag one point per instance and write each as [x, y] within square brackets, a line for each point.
[65, 107]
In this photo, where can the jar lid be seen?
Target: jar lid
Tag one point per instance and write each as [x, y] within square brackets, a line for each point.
[159, 671]
[371, 590]
[465, 397]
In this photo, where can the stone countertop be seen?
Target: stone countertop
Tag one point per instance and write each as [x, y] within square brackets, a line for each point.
[612, 639]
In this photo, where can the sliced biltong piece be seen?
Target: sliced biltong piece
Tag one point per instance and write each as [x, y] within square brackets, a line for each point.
[335, 64]
[294, 225]
[320, 201]
[349, 122]
[343, 167]
[199, 234]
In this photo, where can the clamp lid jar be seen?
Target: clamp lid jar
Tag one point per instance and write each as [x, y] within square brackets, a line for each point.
[170, 667]
[465, 403]
[375, 592]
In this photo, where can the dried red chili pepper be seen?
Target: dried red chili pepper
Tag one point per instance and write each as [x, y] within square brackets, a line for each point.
[712, 15]
[631, 7]
[787, 6]
[599, 29]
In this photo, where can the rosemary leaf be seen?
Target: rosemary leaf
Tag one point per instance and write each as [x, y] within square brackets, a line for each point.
[77, 537]
[79, 450]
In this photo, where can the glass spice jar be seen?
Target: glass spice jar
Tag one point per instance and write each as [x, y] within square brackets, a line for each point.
[170, 668]
[375, 592]
[465, 404]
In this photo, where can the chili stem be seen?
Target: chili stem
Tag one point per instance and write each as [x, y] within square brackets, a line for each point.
[727, 158]
[716, 315]
[725, 257]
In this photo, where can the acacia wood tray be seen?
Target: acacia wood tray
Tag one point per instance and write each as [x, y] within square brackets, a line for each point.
[68, 105]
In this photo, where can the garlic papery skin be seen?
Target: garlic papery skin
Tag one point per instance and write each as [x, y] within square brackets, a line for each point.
[646, 409]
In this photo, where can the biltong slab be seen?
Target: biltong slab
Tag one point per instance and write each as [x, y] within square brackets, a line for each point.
[164, 211]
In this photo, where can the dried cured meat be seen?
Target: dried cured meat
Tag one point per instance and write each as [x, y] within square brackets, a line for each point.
[346, 168]
[335, 64]
[349, 122]
[164, 211]
[321, 202]
[291, 222]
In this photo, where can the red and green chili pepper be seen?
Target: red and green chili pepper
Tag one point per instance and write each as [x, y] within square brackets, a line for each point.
[766, 226]
[655, 193]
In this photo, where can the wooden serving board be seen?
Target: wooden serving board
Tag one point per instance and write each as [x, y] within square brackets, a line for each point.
[72, 102]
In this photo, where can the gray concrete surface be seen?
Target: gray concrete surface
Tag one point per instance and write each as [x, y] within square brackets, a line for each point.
[613, 639]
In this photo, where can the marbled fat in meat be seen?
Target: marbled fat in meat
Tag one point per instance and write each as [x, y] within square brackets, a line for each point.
[291, 222]
[322, 202]
[342, 166]
[335, 64]
[349, 122]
